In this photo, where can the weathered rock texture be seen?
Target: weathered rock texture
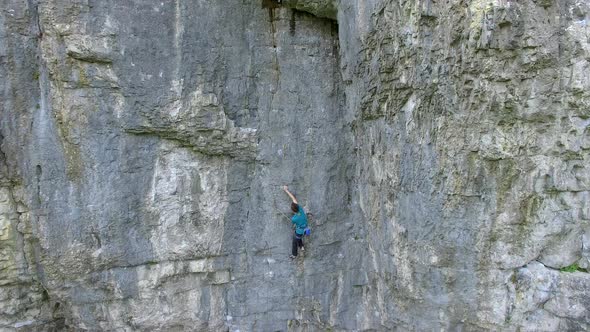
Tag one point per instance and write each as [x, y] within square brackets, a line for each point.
[441, 146]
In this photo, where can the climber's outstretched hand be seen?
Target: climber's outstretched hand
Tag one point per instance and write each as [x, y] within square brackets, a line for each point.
[286, 189]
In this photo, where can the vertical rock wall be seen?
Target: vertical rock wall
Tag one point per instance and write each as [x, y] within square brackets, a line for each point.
[472, 171]
[441, 149]
[24, 301]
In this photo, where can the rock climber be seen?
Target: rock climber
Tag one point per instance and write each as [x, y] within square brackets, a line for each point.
[299, 219]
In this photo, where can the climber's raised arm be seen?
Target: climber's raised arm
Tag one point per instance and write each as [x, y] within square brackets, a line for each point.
[286, 189]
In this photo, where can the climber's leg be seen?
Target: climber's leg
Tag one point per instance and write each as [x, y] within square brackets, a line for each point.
[294, 245]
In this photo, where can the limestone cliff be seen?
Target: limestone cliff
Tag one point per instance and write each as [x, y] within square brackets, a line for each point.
[441, 147]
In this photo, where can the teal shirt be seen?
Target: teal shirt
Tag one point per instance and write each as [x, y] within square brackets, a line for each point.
[300, 221]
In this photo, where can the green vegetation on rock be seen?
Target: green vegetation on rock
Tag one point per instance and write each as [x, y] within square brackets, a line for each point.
[573, 268]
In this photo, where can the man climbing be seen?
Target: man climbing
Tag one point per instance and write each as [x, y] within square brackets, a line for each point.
[299, 219]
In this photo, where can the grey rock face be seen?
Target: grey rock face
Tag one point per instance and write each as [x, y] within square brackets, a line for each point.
[441, 148]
